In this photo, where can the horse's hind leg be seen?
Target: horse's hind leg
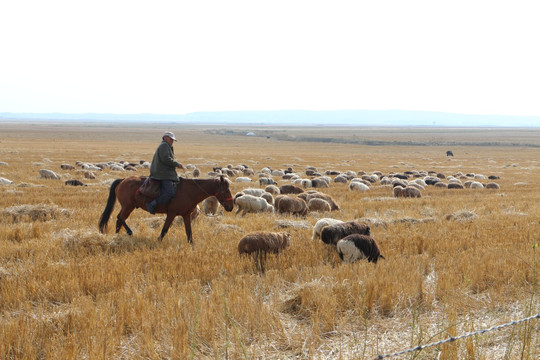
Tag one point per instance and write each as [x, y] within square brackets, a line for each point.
[121, 219]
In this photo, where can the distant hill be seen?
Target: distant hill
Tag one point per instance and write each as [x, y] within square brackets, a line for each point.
[299, 117]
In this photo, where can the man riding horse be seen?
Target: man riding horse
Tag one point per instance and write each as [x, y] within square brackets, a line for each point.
[163, 168]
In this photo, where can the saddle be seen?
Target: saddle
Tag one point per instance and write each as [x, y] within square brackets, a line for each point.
[149, 188]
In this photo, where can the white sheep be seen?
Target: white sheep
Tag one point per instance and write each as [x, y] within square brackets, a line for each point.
[250, 203]
[48, 174]
[476, 185]
[243, 179]
[358, 186]
[306, 183]
[253, 191]
[320, 224]
[4, 181]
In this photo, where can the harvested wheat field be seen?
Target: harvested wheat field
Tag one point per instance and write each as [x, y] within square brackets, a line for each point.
[456, 260]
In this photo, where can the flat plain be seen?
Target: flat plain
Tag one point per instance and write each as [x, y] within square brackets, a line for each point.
[456, 260]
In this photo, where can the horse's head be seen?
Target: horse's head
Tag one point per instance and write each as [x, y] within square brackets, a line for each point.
[224, 195]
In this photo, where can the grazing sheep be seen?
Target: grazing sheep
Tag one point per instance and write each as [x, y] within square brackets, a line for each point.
[4, 181]
[431, 180]
[67, 167]
[356, 247]
[418, 186]
[476, 185]
[408, 191]
[294, 206]
[210, 206]
[272, 189]
[492, 185]
[326, 197]
[268, 197]
[250, 203]
[341, 179]
[290, 189]
[253, 191]
[48, 174]
[386, 181]
[493, 177]
[449, 153]
[311, 171]
[243, 179]
[74, 183]
[358, 186]
[454, 185]
[260, 243]
[264, 241]
[320, 182]
[267, 181]
[331, 234]
[320, 224]
[305, 183]
[320, 205]
[89, 175]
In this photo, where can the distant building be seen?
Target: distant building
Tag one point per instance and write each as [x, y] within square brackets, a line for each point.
[250, 134]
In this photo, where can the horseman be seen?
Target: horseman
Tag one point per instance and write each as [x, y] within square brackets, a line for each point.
[163, 168]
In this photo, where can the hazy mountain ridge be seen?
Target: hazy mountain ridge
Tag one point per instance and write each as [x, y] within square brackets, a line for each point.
[299, 117]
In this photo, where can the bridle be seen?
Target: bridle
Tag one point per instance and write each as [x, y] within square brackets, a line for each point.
[217, 193]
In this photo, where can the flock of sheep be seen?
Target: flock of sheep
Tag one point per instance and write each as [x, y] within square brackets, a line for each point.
[298, 195]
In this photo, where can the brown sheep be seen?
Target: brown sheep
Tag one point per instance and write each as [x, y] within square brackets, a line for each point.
[264, 241]
[277, 200]
[317, 204]
[356, 247]
[331, 234]
[290, 189]
[272, 189]
[260, 243]
[492, 185]
[294, 206]
[455, 186]
[408, 191]
[210, 205]
[319, 183]
[74, 183]
[328, 198]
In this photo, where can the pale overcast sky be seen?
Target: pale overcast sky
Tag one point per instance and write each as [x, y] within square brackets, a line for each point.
[474, 57]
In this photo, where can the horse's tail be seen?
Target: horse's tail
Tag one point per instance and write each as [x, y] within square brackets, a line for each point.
[104, 219]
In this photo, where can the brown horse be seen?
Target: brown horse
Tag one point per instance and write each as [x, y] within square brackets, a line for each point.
[189, 193]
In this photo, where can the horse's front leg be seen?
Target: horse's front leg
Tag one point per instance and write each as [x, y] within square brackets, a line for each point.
[187, 225]
[168, 221]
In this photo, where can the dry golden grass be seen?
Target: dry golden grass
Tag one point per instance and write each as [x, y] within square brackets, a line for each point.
[456, 260]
